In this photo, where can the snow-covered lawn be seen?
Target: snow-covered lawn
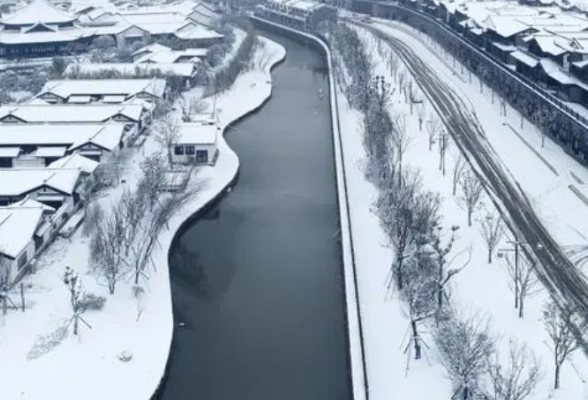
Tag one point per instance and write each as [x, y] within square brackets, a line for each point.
[480, 287]
[87, 366]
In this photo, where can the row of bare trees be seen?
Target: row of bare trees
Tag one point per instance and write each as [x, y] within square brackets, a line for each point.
[425, 259]
[123, 238]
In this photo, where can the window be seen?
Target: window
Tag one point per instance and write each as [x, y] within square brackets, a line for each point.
[179, 150]
[202, 156]
[190, 150]
[22, 260]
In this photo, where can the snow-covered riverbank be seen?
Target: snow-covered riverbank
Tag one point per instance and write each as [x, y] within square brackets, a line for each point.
[88, 366]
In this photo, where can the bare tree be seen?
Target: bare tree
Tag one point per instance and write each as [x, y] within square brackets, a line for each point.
[492, 230]
[443, 145]
[518, 378]
[420, 305]
[383, 92]
[401, 141]
[93, 214]
[5, 281]
[421, 114]
[458, 169]
[140, 300]
[106, 249]
[397, 210]
[110, 169]
[434, 127]
[393, 64]
[152, 180]
[76, 294]
[412, 96]
[503, 106]
[464, 347]
[402, 77]
[524, 280]
[191, 107]
[446, 267]
[471, 189]
[168, 134]
[562, 341]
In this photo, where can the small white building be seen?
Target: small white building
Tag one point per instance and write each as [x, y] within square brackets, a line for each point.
[197, 143]
[22, 234]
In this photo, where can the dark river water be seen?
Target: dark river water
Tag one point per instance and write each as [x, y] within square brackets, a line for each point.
[258, 281]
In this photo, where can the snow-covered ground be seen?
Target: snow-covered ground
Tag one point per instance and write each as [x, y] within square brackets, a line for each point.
[564, 212]
[480, 287]
[87, 366]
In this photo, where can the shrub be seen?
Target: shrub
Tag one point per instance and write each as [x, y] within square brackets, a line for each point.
[92, 302]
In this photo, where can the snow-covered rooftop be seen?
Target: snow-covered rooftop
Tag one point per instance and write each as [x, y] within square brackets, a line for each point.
[100, 87]
[18, 223]
[525, 58]
[140, 18]
[131, 69]
[76, 161]
[107, 136]
[54, 151]
[38, 11]
[198, 133]
[193, 31]
[152, 48]
[166, 55]
[18, 182]
[68, 113]
[64, 35]
[9, 152]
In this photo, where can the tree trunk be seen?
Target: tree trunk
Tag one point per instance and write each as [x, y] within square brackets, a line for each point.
[470, 212]
[556, 377]
[4, 305]
[75, 331]
[399, 280]
[521, 303]
[489, 255]
[415, 339]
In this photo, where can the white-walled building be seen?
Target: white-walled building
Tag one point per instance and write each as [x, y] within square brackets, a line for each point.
[21, 235]
[197, 143]
[53, 187]
[38, 145]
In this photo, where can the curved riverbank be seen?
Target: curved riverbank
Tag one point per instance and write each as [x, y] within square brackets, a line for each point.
[248, 94]
[358, 372]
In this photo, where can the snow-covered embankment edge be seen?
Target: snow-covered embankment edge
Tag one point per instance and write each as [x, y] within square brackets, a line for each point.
[352, 303]
[214, 189]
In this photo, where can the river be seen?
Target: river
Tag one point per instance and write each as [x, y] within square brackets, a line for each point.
[257, 283]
